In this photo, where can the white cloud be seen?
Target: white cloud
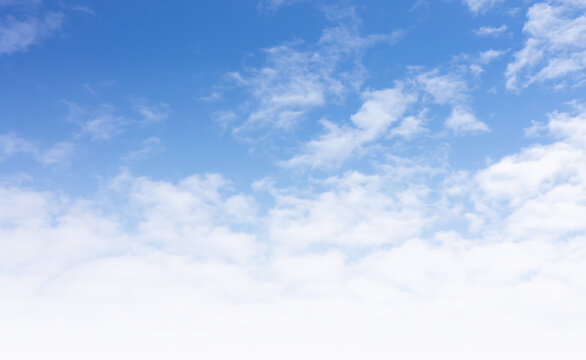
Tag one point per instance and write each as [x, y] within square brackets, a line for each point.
[224, 118]
[356, 211]
[461, 121]
[335, 270]
[491, 30]
[57, 154]
[213, 96]
[84, 9]
[273, 5]
[486, 57]
[296, 78]
[445, 89]
[541, 189]
[100, 123]
[478, 6]
[105, 121]
[409, 127]
[151, 112]
[380, 109]
[20, 2]
[11, 144]
[451, 89]
[104, 124]
[18, 35]
[556, 45]
[193, 216]
[150, 146]
[288, 86]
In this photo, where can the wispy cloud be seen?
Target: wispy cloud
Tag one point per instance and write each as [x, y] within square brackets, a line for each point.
[57, 154]
[555, 48]
[224, 118]
[84, 9]
[150, 111]
[17, 35]
[297, 77]
[102, 123]
[20, 3]
[479, 6]
[105, 121]
[380, 109]
[273, 5]
[88, 88]
[150, 146]
[491, 30]
[11, 144]
[405, 105]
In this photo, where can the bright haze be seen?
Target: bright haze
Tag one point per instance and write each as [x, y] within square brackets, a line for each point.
[289, 179]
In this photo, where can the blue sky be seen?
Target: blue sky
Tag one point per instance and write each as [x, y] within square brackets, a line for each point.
[320, 176]
[176, 59]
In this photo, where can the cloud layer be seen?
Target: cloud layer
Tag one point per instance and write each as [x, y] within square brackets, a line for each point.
[363, 265]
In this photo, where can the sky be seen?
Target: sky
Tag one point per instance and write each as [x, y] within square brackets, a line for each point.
[290, 179]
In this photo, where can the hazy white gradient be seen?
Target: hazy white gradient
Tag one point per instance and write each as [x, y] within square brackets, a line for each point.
[368, 266]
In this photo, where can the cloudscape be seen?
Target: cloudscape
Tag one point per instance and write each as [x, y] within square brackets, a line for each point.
[290, 179]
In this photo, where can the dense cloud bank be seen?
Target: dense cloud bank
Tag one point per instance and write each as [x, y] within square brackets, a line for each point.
[369, 265]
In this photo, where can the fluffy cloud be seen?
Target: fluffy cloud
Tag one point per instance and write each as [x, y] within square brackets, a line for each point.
[461, 121]
[361, 264]
[410, 126]
[383, 108]
[541, 189]
[444, 88]
[555, 48]
[357, 211]
[380, 109]
[104, 123]
[192, 216]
